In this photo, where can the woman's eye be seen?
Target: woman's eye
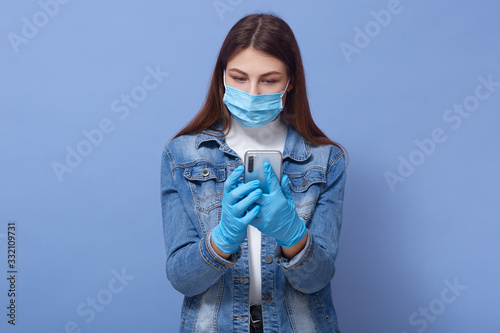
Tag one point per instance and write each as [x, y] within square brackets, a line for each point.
[269, 81]
[239, 79]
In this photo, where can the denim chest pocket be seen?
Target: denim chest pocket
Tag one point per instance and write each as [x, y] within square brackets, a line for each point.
[306, 187]
[206, 182]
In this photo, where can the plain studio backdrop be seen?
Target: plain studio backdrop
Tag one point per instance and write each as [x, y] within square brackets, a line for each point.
[91, 91]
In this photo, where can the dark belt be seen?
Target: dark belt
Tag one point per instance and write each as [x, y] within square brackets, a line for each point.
[256, 323]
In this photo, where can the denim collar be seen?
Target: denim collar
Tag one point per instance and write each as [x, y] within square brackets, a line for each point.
[295, 148]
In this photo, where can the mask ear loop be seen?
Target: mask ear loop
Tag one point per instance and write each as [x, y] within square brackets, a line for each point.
[285, 93]
[224, 79]
[225, 89]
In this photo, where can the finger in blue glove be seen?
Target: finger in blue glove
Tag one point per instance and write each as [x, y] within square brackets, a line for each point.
[237, 198]
[277, 216]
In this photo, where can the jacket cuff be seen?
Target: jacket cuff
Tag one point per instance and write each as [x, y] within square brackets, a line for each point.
[213, 259]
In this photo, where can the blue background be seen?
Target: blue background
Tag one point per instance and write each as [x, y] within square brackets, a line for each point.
[401, 246]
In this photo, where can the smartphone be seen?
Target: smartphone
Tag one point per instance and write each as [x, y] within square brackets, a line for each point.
[254, 162]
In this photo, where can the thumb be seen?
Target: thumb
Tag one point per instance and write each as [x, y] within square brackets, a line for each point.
[272, 181]
[285, 187]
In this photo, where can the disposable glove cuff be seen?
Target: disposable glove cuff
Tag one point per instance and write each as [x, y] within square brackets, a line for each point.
[299, 233]
[222, 242]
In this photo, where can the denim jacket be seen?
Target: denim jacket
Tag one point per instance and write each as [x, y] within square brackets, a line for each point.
[296, 293]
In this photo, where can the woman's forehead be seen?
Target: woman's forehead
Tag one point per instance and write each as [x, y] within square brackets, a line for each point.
[254, 62]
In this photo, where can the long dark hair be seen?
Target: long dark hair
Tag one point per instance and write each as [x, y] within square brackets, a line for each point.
[269, 34]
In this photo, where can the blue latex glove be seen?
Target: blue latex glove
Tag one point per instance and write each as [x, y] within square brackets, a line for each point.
[278, 217]
[238, 197]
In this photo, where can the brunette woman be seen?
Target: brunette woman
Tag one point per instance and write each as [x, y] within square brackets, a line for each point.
[247, 260]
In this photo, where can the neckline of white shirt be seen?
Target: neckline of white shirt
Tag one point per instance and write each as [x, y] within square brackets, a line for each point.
[241, 138]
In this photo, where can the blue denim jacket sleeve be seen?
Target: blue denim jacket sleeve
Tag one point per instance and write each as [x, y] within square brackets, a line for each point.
[313, 268]
[192, 265]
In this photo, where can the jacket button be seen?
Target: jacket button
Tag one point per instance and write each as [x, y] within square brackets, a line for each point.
[267, 299]
[268, 259]
[304, 182]
[205, 172]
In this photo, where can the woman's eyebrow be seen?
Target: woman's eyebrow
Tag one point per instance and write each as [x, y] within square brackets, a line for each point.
[243, 73]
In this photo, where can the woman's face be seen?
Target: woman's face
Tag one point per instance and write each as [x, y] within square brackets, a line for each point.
[256, 73]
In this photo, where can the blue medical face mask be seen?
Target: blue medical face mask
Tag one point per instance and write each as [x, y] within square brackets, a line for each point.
[253, 110]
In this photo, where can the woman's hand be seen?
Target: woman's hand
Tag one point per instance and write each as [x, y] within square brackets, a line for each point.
[238, 197]
[278, 217]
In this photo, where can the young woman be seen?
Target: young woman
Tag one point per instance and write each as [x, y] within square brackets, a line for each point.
[247, 260]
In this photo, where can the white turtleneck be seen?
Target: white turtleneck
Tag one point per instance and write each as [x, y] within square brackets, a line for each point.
[241, 139]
